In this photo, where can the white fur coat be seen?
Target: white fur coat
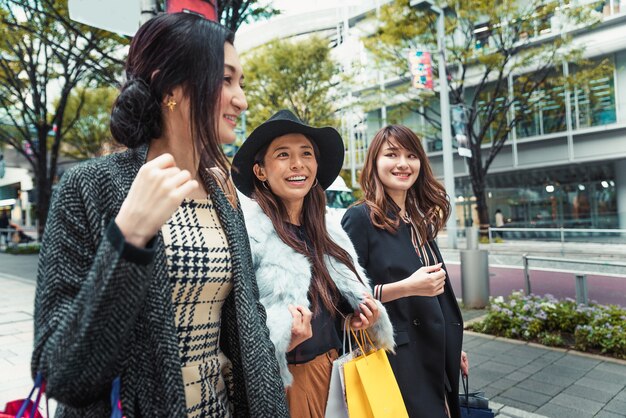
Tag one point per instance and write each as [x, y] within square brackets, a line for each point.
[284, 276]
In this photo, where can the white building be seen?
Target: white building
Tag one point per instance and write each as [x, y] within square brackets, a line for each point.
[565, 165]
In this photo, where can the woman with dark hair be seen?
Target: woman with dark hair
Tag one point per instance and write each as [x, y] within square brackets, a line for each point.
[305, 267]
[393, 230]
[145, 271]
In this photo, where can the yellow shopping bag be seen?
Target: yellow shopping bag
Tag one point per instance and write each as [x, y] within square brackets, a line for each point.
[371, 387]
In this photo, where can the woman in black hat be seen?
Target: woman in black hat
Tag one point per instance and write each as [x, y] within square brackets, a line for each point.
[305, 267]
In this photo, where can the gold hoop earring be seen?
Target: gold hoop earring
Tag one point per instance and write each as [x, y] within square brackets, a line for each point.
[171, 104]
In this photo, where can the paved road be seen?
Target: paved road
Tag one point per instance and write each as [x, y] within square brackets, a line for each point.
[24, 266]
[504, 280]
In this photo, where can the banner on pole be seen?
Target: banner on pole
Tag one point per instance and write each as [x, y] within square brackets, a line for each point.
[421, 67]
[118, 16]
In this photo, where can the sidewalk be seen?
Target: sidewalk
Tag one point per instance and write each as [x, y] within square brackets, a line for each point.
[522, 380]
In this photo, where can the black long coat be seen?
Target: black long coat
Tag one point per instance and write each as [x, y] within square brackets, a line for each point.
[429, 330]
[103, 309]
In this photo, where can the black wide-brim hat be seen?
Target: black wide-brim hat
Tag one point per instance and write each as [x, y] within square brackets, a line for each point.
[283, 122]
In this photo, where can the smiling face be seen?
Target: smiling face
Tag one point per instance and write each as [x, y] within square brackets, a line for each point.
[397, 168]
[289, 168]
[233, 99]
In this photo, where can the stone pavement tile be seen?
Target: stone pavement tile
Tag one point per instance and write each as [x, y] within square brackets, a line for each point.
[477, 342]
[560, 370]
[528, 351]
[608, 414]
[513, 360]
[502, 384]
[515, 403]
[553, 356]
[526, 396]
[491, 371]
[616, 406]
[7, 353]
[553, 410]
[494, 347]
[491, 392]
[518, 376]
[498, 367]
[536, 365]
[508, 411]
[11, 317]
[476, 381]
[607, 376]
[588, 393]
[476, 359]
[551, 378]
[576, 362]
[621, 396]
[609, 387]
[541, 387]
[581, 404]
[612, 368]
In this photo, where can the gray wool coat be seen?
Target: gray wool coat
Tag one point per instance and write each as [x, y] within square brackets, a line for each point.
[104, 309]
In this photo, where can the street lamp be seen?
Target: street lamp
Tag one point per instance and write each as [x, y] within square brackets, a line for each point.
[446, 131]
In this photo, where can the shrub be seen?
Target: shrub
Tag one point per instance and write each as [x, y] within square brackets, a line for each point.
[23, 249]
[555, 322]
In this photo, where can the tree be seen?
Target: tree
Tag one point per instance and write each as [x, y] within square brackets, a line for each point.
[44, 56]
[297, 75]
[235, 12]
[89, 136]
[501, 57]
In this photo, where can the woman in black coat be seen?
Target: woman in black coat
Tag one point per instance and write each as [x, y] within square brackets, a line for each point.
[393, 231]
[145, 271]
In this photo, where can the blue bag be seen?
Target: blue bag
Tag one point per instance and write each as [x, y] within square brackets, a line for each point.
[475, 404]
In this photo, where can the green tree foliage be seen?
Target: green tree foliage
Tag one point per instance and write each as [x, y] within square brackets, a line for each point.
[233, 13]
[488, 43]
[90, 134]
[44, 56]
[295, 75]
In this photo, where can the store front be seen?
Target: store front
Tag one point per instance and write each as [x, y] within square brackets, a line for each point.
[577, 196]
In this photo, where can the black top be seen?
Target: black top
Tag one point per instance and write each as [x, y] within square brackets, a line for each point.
[428, 330]
[326, 327]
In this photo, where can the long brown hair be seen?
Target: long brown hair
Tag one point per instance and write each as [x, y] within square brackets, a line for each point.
[427, 202]
[322, 288]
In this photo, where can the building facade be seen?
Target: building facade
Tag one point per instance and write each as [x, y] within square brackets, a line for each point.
[563, 166]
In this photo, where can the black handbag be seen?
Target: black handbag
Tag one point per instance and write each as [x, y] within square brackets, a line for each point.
[474, 404]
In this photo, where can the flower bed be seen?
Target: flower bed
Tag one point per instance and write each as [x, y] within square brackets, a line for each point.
[561, 323]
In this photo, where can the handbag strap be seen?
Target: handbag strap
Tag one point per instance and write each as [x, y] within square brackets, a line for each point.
[39, 383]
[346, 331]
[465, 380]
[116, 403]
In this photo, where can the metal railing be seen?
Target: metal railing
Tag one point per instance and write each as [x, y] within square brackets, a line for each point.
[561, 233]
[580, 279]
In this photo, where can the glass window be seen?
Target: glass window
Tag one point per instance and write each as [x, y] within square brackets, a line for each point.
[543, 109]
[593, 102]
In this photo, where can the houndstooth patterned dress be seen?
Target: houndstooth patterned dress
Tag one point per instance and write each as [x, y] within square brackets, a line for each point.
[199, 265]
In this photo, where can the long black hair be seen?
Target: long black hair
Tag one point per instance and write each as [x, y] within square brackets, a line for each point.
[169, 51]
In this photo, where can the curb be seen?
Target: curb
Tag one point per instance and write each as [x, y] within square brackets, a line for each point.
[504, 411]
[7, 276]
